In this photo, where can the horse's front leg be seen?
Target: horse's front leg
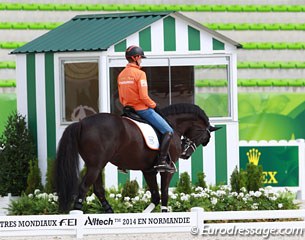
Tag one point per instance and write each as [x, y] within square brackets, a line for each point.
[151, 180]
[165, 180]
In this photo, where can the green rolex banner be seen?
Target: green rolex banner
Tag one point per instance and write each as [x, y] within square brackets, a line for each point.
[280, 163]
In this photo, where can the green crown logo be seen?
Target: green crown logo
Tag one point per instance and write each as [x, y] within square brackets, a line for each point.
[253, 156]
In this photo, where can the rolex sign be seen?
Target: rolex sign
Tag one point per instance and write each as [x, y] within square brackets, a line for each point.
[280, 163]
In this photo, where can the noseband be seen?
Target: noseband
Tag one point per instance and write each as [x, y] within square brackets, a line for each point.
[188, 144]
[191, 143]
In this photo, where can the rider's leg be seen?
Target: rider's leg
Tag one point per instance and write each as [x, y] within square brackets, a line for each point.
[159, 123]
[164, 147]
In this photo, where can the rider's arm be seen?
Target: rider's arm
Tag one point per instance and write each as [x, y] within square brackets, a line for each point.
[143, 92]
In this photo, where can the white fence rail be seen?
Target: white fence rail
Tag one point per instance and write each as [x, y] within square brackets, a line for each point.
[194, 222]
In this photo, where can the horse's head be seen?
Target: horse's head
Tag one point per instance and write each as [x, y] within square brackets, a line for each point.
[192, 123]
[194, 137]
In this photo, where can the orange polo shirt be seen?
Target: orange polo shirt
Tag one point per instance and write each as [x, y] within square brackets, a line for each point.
[133, 91]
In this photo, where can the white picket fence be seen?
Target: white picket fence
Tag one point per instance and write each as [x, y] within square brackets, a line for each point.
[194, 222]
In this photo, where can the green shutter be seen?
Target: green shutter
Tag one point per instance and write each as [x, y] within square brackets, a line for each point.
[169, 30]
[50, 105]
[145, 39]
[221, 154]
[31, 95]
[218, 45]
[120, 47]
[193, 39]
[175, 178]
[123, 178]
[197, 163]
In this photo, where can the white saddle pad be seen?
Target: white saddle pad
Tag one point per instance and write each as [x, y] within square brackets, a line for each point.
[148, 133]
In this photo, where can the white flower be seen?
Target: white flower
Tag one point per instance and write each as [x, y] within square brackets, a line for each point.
[254, 206]
[272, 198]
[243, 189]
[135, 199]
[119, 195]
[37, 191]
[112, 195]
[241, 195]
[126, 199]
[174, 196]
[43, 196]
[234, 194]
[258, 194]
[148, 194]
[214, 201]
[30, 195]
[220, 193]
[185, 197]
[128, 204]
[170, 192]
[198, 189]
[89, 199]
[280, 205]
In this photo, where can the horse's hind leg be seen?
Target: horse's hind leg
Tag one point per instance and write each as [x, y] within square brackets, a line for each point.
[151, 180]
[99, 192]
[90, 177]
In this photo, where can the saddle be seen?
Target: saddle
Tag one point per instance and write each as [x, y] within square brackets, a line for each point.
[151, 135]
[131, 113]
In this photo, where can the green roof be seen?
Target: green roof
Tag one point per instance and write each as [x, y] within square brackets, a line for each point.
[95, 32]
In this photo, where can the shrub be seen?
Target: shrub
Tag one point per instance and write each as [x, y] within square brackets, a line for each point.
[34, 177]
[218, 198]
[237, 180]
[255, 177]
[17, 151]
[50, 184]
[130, 189]
[184, 184]
[34, 204]
[201, 180]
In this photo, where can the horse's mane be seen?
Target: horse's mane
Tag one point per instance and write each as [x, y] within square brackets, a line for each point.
[180, 108]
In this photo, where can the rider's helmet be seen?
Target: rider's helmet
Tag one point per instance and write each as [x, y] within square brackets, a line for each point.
[134, 52]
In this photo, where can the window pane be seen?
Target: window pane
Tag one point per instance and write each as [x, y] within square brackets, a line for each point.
[197, 80]
[115, 105]
[182, 84]
[81, 90]
[211, 90]
[158, 79]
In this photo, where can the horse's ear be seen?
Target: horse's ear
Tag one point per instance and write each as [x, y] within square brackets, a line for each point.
[212, 128]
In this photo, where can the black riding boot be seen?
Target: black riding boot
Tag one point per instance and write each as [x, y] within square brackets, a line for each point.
[162, 164]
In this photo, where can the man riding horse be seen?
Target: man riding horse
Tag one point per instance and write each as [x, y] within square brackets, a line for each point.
[133, 92]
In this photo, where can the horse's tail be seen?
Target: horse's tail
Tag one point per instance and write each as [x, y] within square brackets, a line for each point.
[67, 166]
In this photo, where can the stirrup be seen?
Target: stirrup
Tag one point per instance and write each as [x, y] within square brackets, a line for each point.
[166, 168]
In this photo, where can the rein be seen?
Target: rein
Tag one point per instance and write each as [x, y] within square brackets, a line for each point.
[191, 144]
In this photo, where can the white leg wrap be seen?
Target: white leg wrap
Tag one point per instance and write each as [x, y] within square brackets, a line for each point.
[150, 207]
[164, 208]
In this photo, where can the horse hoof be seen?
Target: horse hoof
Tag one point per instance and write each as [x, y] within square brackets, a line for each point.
[78, 206]
[109, 211]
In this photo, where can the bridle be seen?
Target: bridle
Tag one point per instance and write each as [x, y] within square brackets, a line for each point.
[188, 143]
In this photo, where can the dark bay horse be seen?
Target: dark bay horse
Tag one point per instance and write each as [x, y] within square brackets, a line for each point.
[105, 137]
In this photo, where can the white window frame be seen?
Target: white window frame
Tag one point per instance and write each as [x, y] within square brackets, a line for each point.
[186, 60]
[71, 59]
